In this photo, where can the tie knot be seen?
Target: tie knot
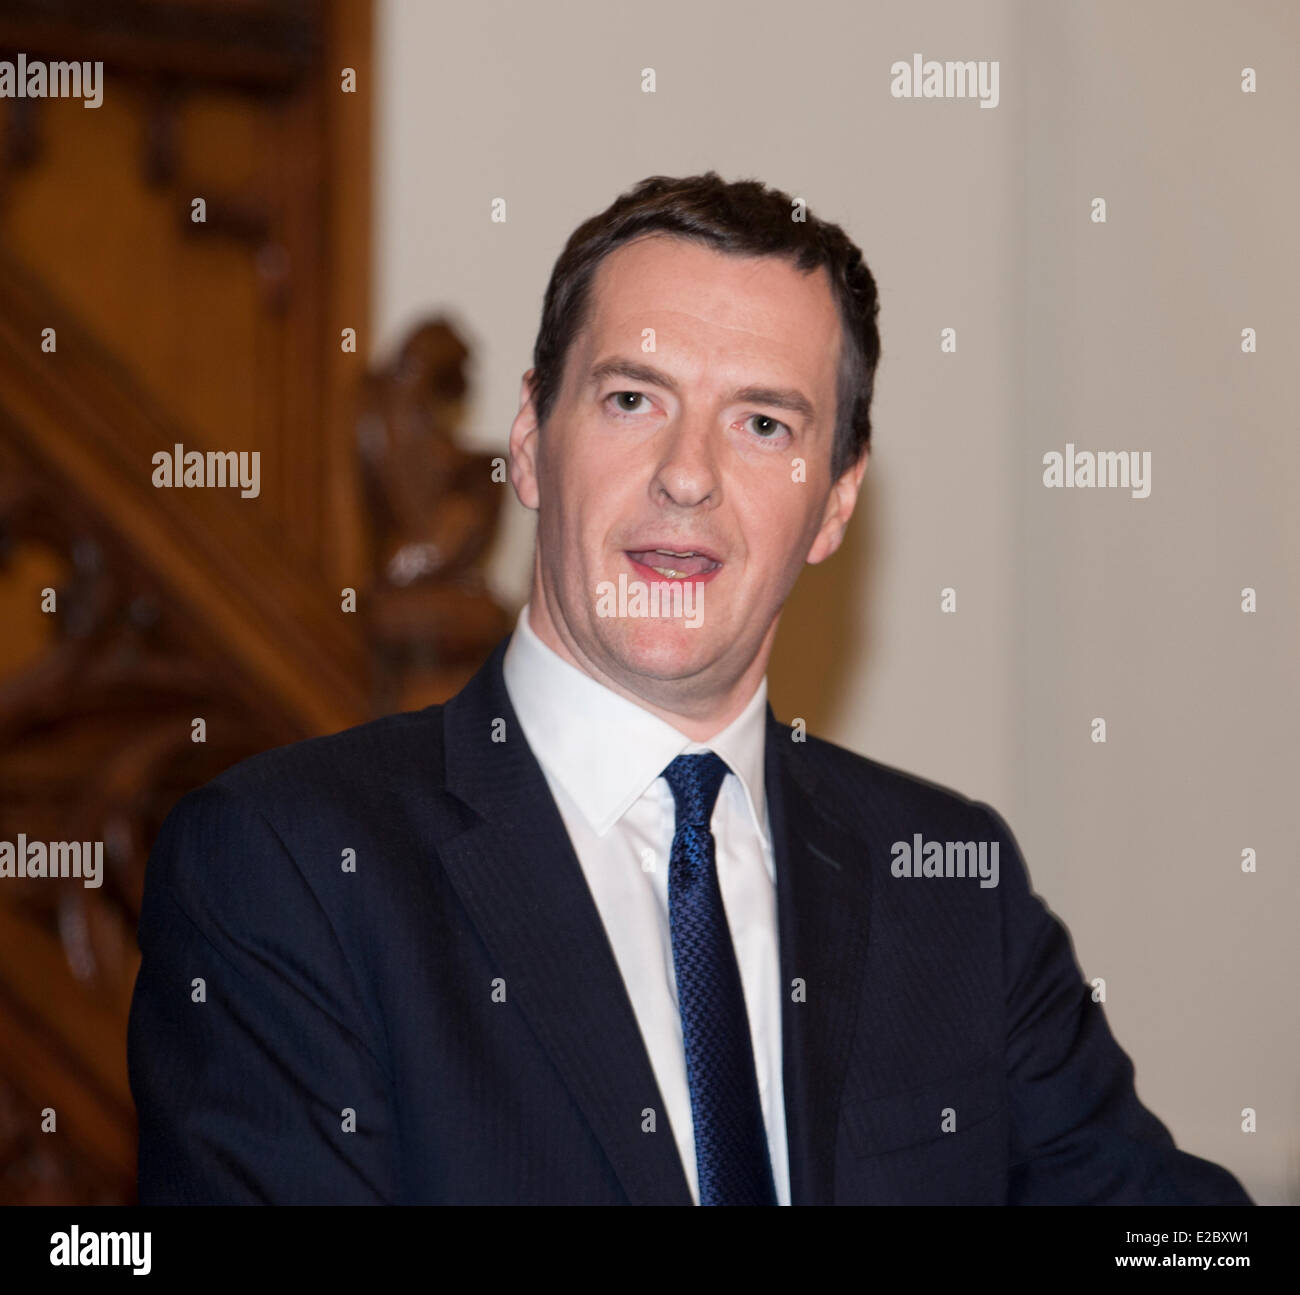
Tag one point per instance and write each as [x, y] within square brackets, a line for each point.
[695, 780]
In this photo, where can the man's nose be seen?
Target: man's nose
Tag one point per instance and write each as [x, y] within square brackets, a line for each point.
[688, 471]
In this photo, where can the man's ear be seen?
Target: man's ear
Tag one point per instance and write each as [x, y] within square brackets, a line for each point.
[523, 446]
[839, 508]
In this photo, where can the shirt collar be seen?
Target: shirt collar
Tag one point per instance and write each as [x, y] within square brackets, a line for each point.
[605, 750]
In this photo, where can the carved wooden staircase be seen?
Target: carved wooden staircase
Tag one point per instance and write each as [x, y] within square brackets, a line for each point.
[130, 611]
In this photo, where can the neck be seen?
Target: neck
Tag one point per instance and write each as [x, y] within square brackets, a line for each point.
[698, 717]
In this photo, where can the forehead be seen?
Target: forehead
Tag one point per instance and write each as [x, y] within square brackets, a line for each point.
[721, 308]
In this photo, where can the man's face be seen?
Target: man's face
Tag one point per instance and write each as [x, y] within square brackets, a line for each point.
[693, 446]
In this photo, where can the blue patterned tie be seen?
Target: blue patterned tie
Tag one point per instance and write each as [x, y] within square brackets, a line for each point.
[730, 1138]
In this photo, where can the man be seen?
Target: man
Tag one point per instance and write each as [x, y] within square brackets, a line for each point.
[600, 930]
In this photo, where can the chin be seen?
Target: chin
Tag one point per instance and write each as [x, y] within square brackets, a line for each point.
[658, 649]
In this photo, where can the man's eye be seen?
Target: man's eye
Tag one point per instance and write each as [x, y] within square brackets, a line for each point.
[620, 396]
[770, 430]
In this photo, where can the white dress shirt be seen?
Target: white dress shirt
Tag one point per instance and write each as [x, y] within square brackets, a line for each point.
[603, 757]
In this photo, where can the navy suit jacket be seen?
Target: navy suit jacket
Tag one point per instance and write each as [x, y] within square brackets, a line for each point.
[444, 1020]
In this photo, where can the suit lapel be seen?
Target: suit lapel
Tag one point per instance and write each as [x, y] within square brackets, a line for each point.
[516, 872]
[822, 913]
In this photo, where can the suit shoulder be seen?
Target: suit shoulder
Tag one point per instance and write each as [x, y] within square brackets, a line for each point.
[852, 780]
[878, 802]
[307, 799]
[352, 763]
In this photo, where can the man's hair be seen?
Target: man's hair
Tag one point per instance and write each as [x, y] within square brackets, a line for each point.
[745, 218]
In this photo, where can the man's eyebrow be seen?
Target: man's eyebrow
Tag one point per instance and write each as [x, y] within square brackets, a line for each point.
[787, 398]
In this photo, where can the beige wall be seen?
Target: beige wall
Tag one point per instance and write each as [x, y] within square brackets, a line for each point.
[1071, 604]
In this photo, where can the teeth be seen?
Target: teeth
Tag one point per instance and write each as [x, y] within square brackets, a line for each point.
[668, 571]
[668, 553]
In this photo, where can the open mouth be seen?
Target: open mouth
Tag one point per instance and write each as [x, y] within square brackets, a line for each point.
[670, 565]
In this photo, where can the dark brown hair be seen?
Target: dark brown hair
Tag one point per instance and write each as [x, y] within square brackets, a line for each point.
[745, 218]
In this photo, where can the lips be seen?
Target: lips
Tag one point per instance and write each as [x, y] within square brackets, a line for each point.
[675, 563]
